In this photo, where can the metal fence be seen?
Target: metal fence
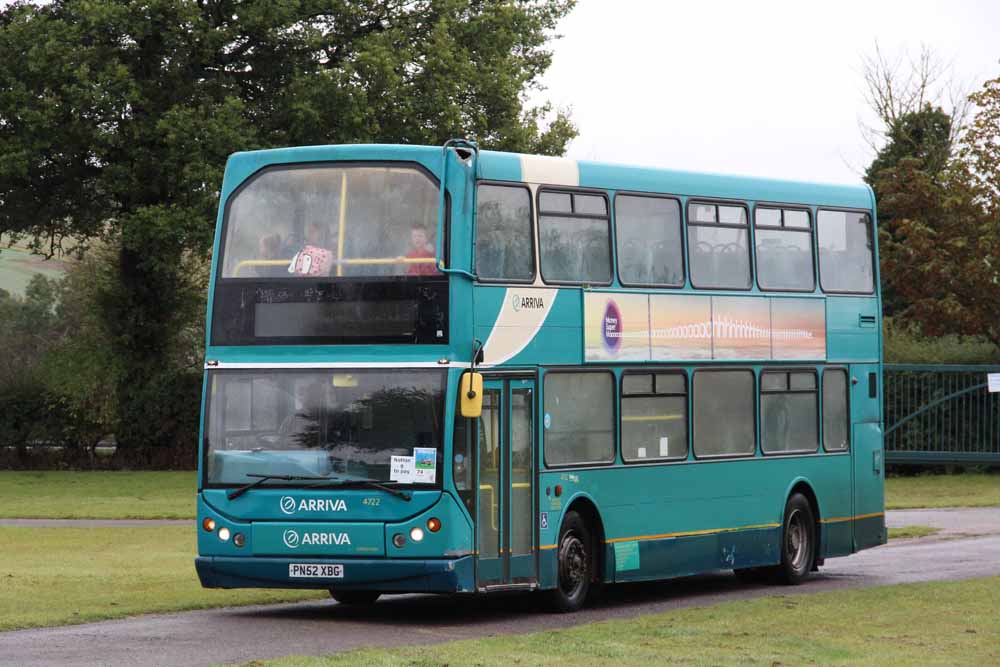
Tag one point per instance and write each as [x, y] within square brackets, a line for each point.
[940, 414]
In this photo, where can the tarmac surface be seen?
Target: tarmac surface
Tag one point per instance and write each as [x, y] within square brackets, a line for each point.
[968, 546]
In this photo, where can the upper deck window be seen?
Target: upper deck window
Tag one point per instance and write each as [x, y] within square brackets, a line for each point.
[339, 221]
[648, 233]
[845, 252]
[783, 242]
[505, 249]
[718, 244]
[575, 238]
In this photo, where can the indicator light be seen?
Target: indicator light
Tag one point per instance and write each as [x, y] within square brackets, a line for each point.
[208, 524]
[558, 490]
[433, 524]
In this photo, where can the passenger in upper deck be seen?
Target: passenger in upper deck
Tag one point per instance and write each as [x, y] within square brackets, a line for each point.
[420, 248]
[269, 249]
[314, 258]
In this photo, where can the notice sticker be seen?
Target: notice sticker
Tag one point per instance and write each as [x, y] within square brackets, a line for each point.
[664, 446]
[642, 452]
[425, 465]
[626, 556]
[401, 469]
[993, 382]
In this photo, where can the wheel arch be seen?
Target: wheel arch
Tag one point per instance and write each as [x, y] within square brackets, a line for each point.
[804, 486]
[585, 506]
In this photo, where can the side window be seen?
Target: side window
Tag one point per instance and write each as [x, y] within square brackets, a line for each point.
[504, 245]
[788, 412]
[724, 413]
[579, 418]
[575, 238]
[648, 235]
[654, 416]
[719, 247]
[783, 243]
[836, 415]
[845, 252]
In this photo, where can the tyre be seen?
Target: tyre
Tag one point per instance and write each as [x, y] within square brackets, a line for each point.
[798, 542]
[354, 597]
[576, 565]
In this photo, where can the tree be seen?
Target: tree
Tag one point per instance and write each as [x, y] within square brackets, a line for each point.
[943, 256]
[116, 119]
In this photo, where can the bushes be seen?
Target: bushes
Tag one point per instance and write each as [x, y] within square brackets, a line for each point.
[906, 344]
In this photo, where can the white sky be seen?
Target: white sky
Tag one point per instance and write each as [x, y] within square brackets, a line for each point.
[760, 88]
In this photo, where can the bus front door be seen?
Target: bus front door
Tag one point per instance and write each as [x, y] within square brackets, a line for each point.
[505, 535]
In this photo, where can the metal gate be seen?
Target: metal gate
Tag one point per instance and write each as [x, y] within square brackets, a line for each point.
[940, 414]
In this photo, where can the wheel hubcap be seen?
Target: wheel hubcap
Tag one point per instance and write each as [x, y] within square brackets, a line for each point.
[797, 541]
[572, 564]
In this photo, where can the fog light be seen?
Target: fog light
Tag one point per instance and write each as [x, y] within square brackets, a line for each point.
[223, 534]
[416, 533]
[239, 539]
[398, 540]
[208, 524]
[434, 524]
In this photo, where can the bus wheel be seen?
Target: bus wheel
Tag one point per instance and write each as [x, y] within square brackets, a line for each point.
[798, 541]
[576, 565]
[354, 597]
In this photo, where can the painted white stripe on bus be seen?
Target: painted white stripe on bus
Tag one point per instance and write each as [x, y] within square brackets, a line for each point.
[550, 170]
[522, 314]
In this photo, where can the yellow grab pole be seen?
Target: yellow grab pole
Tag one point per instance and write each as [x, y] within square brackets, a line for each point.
[343, 213]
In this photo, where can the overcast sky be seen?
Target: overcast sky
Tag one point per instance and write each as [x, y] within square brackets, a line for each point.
[760, 88]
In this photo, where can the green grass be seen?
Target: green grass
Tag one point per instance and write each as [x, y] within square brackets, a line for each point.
[97, 495]
[965, 490]
[920, 624]
[56, 576]
[907, 532]
[17, 266]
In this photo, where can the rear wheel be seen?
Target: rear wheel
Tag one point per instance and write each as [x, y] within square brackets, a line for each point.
[798, 541]
[576, 565]
[354, 597]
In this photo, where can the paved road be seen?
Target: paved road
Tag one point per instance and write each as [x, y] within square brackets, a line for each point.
[314, 628]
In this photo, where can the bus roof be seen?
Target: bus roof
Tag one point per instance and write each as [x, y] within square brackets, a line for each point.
[500, 166]
[564, 171]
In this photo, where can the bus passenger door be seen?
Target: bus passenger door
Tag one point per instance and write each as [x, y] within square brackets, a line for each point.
[505, 523]
[866, 449]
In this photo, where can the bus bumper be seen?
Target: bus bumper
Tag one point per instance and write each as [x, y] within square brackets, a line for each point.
[385, 574]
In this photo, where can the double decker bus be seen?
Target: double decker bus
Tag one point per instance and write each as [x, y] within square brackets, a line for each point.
[448, 370]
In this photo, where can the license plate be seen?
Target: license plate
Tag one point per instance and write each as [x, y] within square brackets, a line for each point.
[315, 571]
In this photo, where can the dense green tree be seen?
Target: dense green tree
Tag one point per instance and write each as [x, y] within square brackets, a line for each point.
[943, 255]
[116, 119]
[924, 135]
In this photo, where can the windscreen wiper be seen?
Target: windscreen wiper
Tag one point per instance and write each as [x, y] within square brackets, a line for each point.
[370, 483]
[236, 493]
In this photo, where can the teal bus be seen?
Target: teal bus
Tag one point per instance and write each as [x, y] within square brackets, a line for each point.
[447, 370]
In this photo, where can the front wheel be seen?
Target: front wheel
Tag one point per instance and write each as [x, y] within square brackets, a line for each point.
[354, 597]
[576, 565]
[798, 541]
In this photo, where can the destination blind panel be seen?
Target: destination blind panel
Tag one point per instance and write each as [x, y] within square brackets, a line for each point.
[331, 313]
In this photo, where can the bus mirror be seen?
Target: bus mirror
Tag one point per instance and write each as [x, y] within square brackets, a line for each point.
[472, 394]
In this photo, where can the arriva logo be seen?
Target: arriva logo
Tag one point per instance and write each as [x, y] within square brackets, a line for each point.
[292, 539]
[518, 302]
[288, 505]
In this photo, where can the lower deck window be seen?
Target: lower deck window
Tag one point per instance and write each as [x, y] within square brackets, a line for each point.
[788, 412]
[836, 421]
[579, 418]
[724, 413]
[654, 417]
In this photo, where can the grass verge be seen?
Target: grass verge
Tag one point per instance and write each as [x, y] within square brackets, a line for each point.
[97, 495]
[965, 490]
[906, 532]
[58, 576]
[917, 624]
